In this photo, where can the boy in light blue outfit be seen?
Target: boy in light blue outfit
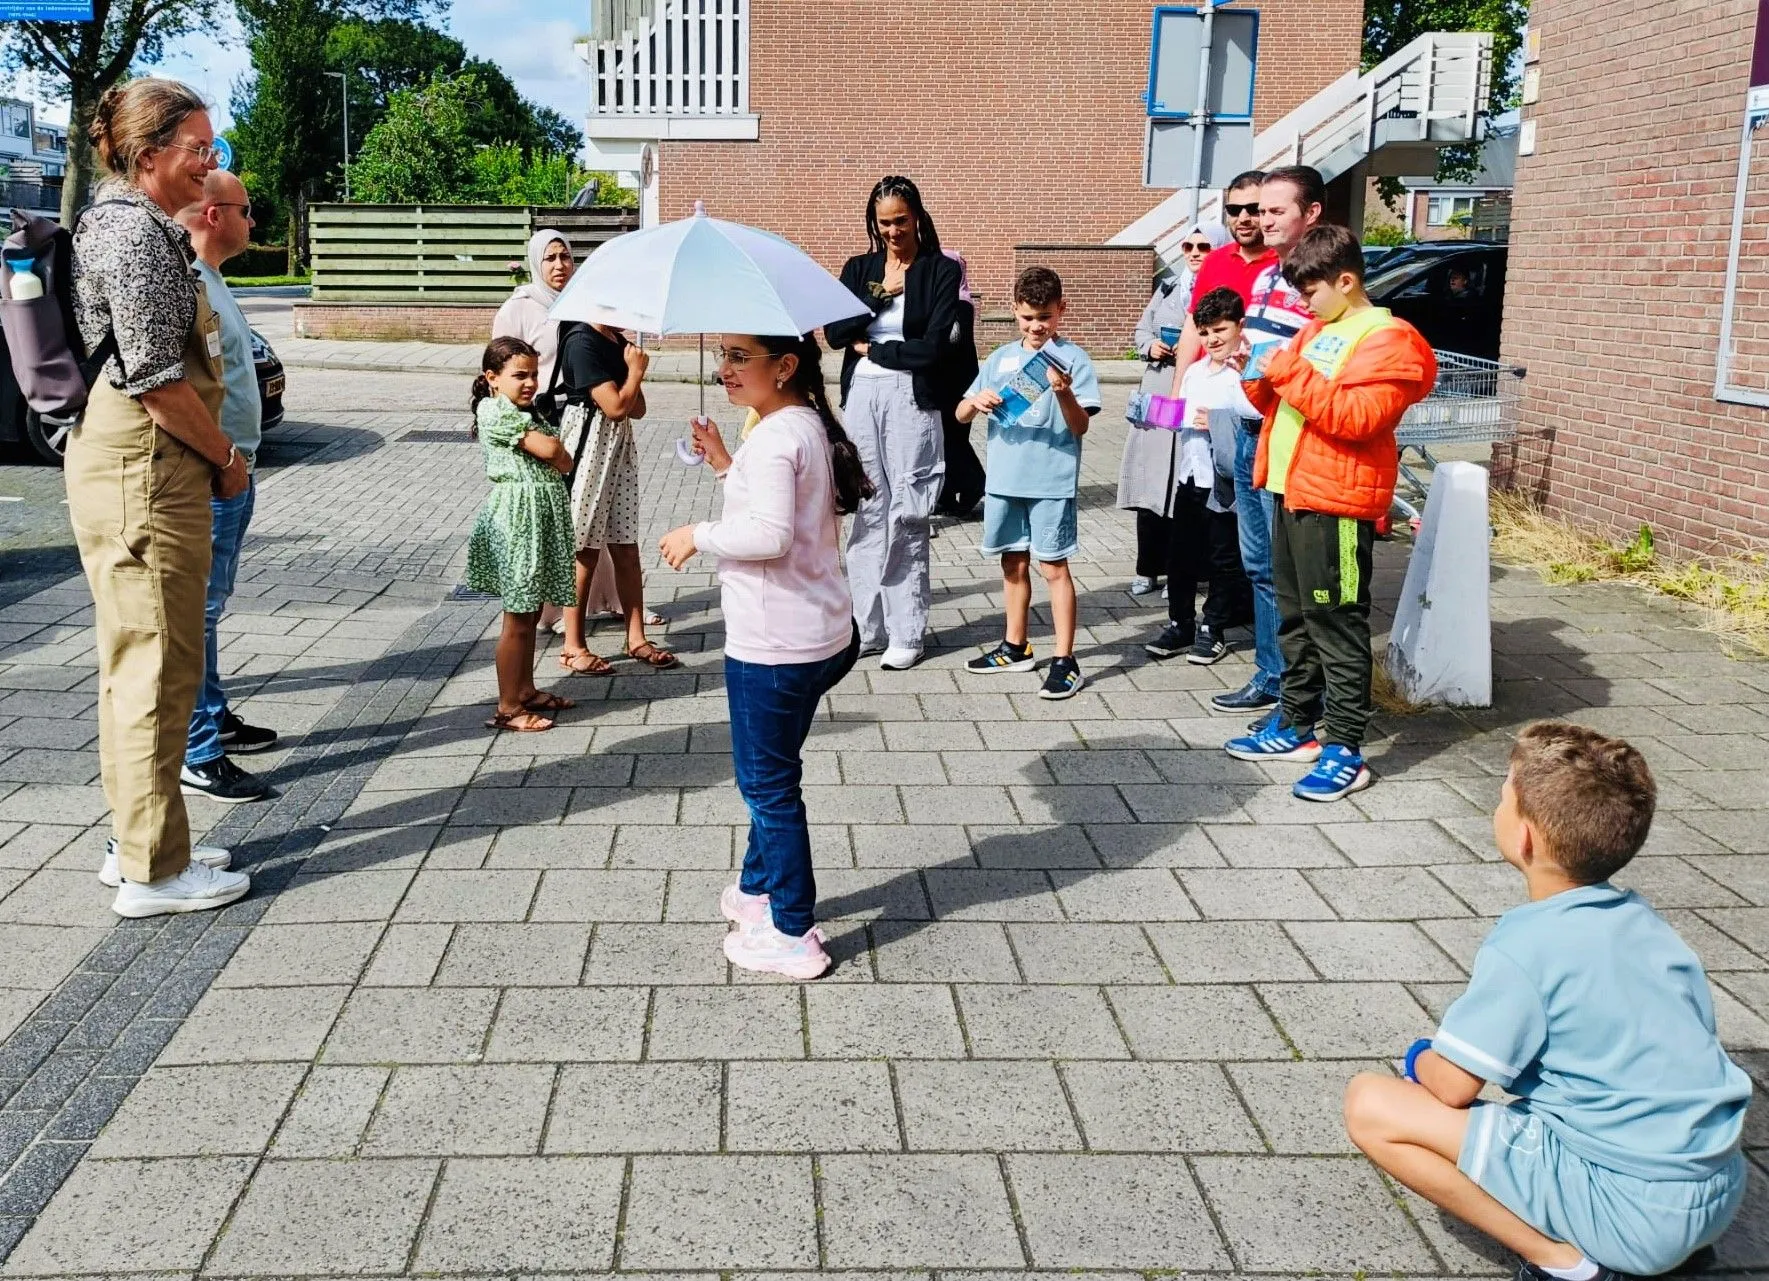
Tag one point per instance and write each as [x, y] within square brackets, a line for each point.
[1620, 1152]
[1034, 473]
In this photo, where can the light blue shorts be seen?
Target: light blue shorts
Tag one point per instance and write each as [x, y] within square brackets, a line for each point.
[1640, 1226]
[1043, 526]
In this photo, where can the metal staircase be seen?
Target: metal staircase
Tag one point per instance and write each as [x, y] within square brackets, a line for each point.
[1430, 95]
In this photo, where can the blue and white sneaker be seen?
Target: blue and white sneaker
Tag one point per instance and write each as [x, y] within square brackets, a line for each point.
[1268, 721]
[1276, 743]
[1339, 772]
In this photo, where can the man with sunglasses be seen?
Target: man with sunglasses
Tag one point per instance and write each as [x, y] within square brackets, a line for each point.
[220, 226]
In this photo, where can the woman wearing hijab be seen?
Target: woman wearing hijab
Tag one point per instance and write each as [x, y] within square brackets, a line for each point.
[1151, 455]
[524, 313]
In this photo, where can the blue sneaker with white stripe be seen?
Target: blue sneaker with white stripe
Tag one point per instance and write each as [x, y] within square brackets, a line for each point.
[1276, 743]
[1339, 772]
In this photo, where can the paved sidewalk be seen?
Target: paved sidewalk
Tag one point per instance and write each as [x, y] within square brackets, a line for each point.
[1098, 987]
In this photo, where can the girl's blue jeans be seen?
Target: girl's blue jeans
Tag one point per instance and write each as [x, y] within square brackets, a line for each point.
[772, 708]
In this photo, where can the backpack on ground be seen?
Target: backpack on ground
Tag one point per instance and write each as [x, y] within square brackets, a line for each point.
[49, 357]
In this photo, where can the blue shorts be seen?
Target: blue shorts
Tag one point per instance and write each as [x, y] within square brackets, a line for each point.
[1640, 1226]
[1043, 526]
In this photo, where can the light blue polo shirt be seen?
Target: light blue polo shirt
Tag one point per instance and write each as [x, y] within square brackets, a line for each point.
[242, 411]
[1037, 457]
[1589, 1006]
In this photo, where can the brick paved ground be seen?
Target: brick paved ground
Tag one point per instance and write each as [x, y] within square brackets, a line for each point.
[1098, 987]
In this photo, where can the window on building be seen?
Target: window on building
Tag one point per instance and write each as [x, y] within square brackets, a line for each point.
[15, 119]
[1444, 211]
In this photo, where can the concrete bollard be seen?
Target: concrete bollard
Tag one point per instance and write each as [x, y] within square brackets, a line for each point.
[1441, 649]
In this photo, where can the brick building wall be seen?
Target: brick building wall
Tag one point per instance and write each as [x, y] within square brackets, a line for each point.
[1619, 237]
[394, 322]
[1020, 123]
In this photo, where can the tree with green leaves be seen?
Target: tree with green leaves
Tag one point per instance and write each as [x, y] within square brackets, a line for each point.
[89, 57]
[287, 111]
[1391, 25]
[421, 150]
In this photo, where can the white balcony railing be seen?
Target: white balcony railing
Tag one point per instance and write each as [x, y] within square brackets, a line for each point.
[1429, 95]
[681, 72]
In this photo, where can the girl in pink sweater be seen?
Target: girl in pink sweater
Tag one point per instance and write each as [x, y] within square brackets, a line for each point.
[789, 625]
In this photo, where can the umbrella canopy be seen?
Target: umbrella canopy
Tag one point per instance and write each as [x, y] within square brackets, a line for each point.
[702, 276]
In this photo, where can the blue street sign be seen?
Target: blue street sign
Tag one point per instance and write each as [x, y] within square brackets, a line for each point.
[45, 10]
[223, 154]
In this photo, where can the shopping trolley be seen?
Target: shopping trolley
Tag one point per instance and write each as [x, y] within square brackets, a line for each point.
[1474, 401]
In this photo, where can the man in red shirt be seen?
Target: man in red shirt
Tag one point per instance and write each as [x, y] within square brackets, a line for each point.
[1236, 265]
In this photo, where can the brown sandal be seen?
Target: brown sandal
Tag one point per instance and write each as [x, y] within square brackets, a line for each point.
[534, 722]
[584, 663]
[545, 702]
[654, 656]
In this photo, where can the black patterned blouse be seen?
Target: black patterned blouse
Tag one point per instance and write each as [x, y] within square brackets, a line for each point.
[133, 272]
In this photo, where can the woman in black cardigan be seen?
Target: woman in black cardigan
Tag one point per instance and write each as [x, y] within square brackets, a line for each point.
[891, 391]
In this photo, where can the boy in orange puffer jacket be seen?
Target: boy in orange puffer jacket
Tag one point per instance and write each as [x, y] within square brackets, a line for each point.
[1332, 399]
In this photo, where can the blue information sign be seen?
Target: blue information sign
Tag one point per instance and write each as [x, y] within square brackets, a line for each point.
[223, 154]
[45, 10]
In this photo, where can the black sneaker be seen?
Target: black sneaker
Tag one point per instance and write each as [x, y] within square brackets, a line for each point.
[222, 780]
[1248, 698]
[1003, 658]
[240, 738]
[1063, 679]
[1175, 639]
[1207, 648]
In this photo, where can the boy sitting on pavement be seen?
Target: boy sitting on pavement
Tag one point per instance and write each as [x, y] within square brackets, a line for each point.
[1620, 1153]
[1332, 399]
[1204, 540]
[1033, 478]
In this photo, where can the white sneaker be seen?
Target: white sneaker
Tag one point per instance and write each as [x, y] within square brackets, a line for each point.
[111, 874]
[900, 658]
[198, 888]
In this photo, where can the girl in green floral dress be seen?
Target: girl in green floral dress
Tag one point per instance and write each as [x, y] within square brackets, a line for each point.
[521, 547]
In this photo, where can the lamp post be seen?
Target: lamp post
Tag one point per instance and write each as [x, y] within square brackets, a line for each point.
[344, 93]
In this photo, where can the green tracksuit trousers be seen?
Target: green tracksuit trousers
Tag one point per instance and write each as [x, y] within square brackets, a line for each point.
[1321, 568]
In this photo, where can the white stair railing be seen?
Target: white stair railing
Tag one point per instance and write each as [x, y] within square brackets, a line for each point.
[689, 59]
[1432, 92]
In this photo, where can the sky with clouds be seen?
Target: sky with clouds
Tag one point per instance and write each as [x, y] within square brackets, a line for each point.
[529, 39]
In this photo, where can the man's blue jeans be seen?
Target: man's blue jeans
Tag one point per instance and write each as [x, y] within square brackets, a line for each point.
[231, 516]
[1253, 510]
[772, 707]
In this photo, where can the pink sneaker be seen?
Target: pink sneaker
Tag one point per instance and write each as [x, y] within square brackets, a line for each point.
[746, 910]
[765, 949]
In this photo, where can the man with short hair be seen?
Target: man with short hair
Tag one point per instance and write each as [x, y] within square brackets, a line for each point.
[1290, 202]
[220, 226]
[1235, 265]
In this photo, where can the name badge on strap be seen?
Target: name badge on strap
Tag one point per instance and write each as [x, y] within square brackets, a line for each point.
[212, 339]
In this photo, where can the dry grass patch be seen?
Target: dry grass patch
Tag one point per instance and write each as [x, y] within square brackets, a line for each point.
[1732, 592]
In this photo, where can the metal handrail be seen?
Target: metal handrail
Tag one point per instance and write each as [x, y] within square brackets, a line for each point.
[1439, 76]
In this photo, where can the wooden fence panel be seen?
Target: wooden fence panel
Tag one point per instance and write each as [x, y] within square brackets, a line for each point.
[438, 254]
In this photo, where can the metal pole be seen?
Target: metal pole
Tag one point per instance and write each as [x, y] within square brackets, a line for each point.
[344, 94]
[1201, 116]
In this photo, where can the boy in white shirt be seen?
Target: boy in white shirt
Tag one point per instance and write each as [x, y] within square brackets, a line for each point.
[1205, 543]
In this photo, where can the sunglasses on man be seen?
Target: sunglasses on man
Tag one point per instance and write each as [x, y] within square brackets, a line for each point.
[1196, 247]
[1235, 211]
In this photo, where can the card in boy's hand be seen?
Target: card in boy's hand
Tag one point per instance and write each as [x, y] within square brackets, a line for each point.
[1025, 387]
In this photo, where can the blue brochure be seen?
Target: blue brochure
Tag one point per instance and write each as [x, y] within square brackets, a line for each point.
[1025, 387]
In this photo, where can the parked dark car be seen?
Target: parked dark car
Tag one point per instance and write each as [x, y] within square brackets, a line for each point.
[1454, 296]
[48, 436]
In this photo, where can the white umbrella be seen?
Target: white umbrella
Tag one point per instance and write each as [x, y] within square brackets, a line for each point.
[705, 275]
